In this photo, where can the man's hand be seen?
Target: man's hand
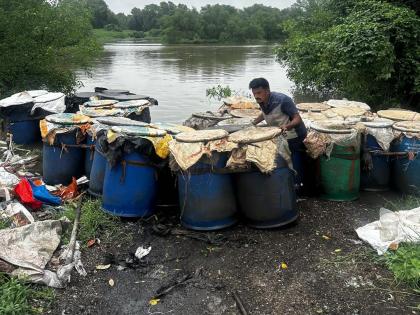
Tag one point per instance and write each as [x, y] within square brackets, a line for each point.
[259, 119]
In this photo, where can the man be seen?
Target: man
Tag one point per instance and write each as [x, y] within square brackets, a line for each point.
[279, 110]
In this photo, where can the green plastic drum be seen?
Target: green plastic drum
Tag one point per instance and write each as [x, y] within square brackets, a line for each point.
[340, 174]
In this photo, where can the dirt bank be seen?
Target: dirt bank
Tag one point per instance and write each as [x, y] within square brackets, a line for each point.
[328, 269]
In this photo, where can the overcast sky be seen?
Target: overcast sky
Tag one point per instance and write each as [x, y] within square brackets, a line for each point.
[126, 5]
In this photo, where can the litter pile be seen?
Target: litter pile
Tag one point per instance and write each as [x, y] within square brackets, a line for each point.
[28, 246]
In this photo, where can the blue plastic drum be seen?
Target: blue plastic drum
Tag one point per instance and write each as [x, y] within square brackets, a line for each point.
[406, 161]
[60, 162]
[65, 158]
[19, 122]
[24, 132]
[89, 154]
[375, 162]
[207, 197]
[97, 173]
[130, 187]
[267, 200]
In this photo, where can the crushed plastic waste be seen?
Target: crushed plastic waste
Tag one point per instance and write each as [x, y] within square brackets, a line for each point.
[142, 252]
[391, 229]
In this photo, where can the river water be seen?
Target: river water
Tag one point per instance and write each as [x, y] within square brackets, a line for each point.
[178, 76]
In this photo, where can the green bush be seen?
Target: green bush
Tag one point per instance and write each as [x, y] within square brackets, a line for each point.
[405, 264]
[113, 27]
[137, 34]
[42, 43]
[362, 49]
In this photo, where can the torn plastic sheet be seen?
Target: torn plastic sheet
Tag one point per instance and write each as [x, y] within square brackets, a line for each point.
[50, 130]
[391, 229]
[325, 134]
[384, 136]
[8, 179]
[50, 102]
[17, 99]
[32, 246]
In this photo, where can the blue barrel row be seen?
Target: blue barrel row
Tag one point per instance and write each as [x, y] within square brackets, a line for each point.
[208, 199]
[398, 169]
[380, 170]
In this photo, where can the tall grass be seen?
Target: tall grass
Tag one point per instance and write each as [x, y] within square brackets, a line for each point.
[405, 261]
[405, 265]
[18, 297]
[94, 222]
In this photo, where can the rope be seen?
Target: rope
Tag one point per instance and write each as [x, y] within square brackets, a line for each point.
[350, 157]
[124, 164]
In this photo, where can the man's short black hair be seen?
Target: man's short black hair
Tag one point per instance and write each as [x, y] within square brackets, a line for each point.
[259, 83]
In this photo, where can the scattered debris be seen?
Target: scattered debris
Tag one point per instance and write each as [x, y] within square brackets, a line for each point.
[142, 252]
[103, 267]
[164, 290]
[210, 238]
[154, 302]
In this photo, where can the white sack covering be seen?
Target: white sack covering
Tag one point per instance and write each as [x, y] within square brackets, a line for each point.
[391, 228]
[50, 102]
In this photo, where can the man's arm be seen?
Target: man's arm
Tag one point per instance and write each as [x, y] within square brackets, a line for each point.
[259, 119]
[296, 121]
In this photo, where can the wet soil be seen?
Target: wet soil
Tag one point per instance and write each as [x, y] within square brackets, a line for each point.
[329, 271]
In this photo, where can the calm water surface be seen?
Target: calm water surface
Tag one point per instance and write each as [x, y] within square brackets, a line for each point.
[178, 76]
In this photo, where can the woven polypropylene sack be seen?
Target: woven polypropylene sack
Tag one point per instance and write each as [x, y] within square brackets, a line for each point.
[399, 115]
[201, 135]
[312, 107]
[255, 134]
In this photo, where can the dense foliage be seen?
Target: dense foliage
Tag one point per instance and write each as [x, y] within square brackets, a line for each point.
[181, 24]
[360, 49]
[41, 43]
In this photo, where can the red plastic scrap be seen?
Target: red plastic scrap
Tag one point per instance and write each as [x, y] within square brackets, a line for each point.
[24, 191]
[68, 192]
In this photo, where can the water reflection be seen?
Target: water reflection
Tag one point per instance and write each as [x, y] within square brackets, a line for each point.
[178, 76]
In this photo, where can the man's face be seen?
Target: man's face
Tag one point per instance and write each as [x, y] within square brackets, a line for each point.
[261, 95]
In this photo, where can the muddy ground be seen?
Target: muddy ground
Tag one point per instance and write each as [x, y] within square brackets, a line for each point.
[339, 275]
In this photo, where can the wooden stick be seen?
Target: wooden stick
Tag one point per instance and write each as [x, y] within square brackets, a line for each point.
[239, 303]
[72, 243]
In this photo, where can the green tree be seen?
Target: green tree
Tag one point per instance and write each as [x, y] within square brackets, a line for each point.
[182, 26]
[370, 52]
[41, 44]
[215, 19]
[268, 19]
[101, 14]
[241, 30]
[122, 20]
